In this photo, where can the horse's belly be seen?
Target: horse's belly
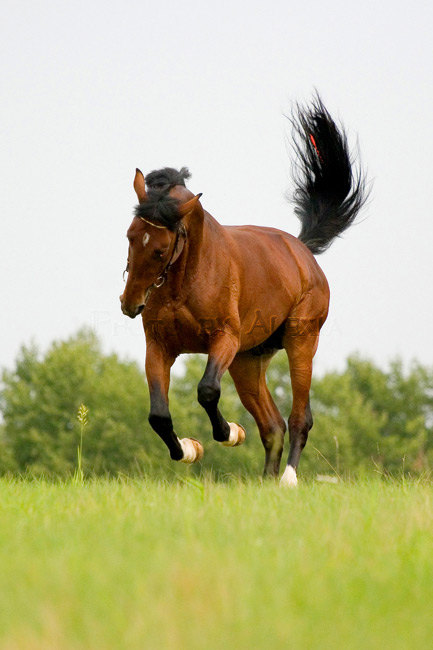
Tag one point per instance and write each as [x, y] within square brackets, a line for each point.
[261, 322]
[266, 304]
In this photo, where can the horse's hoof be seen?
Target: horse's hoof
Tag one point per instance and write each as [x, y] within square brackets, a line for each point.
[289, 478]
[192, 450]
[236, 437]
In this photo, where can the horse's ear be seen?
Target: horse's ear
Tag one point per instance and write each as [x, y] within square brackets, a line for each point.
[186, 209]
[140, 186]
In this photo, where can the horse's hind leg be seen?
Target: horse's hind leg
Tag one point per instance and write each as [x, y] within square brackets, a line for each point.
[249, 375]
[300, 341]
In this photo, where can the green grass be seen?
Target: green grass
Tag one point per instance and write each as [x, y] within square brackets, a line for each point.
[145, 564]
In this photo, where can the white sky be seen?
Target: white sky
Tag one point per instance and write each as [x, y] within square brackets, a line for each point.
[92, 90]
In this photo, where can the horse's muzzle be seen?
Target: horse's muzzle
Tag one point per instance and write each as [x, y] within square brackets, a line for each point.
[133, 311]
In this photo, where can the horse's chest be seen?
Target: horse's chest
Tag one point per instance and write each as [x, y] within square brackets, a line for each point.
[180, 331]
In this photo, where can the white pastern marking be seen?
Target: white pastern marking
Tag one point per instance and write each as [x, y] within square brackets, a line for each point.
[146, 238]
[189, 451]
[236, 436]
[289, 477]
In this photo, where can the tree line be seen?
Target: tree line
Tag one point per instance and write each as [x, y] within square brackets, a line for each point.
[366, 419]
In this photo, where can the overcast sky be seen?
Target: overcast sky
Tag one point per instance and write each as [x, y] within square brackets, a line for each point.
[93, 90]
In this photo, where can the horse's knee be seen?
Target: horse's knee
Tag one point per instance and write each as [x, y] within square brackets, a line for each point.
[208, 393]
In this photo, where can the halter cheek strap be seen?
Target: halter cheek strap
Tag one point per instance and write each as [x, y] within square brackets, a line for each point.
[181, 236]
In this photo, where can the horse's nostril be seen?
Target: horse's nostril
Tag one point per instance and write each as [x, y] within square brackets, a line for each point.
[140, 309]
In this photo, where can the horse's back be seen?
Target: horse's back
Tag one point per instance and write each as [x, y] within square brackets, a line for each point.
[274, 250]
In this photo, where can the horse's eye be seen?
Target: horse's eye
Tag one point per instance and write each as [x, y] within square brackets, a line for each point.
[159, 254]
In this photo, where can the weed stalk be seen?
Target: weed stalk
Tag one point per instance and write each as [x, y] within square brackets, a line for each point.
[82, 417]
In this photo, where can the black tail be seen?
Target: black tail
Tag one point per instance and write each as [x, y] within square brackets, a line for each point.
[328, 193]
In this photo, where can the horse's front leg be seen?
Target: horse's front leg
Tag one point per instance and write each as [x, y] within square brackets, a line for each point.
[221, 355]
[158, 365]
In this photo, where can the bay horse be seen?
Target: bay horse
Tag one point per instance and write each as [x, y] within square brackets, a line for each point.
[240, 293]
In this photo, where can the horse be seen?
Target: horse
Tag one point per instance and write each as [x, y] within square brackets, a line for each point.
[240, 293]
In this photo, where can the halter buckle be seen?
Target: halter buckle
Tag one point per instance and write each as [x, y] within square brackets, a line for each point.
[159, 281]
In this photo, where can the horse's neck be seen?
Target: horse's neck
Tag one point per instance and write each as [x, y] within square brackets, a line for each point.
[203, 235]
[206, 236]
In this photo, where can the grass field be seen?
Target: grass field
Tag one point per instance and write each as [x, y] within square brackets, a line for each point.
[144, 564]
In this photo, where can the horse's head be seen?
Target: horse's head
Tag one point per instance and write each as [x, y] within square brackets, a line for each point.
[156, 238]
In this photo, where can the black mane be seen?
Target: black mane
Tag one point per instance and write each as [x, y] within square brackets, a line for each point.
[159, 207]
[164, 179]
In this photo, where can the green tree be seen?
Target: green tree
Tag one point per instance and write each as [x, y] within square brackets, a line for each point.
[39, 401]
[404, 403]
[365, 418]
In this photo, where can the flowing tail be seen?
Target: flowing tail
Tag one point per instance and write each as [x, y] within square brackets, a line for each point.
[328, 192]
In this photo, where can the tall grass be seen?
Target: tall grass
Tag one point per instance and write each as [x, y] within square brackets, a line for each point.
[195, 564]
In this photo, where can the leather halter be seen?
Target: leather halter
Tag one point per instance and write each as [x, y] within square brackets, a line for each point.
[181, 236]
